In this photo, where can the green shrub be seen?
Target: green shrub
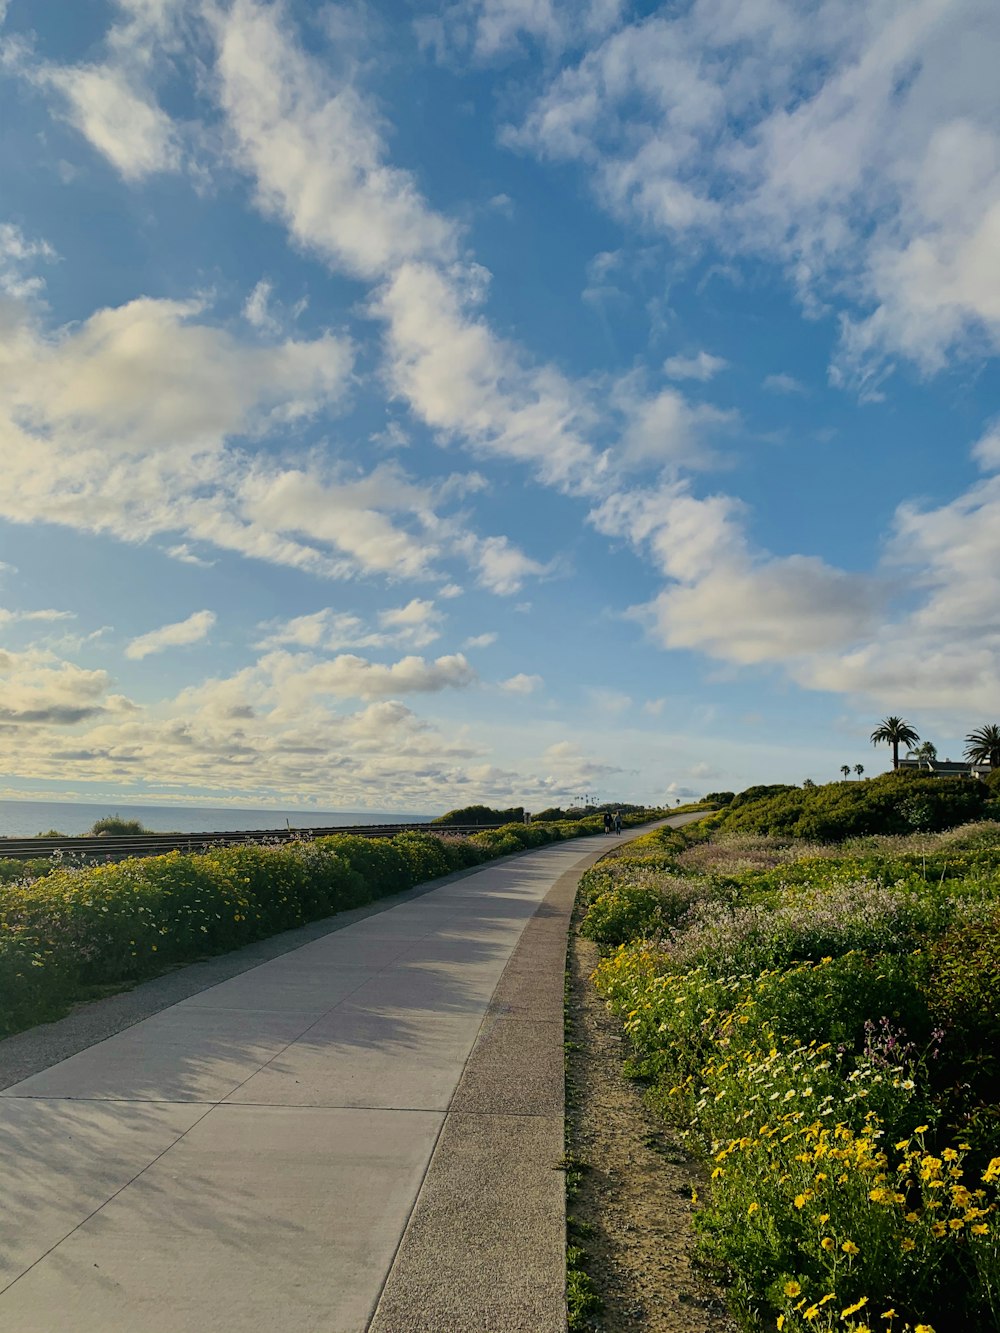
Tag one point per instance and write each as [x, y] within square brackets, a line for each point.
[639, 908]
[118, 827]
[12, 871]
[481, 814]
[117, 923]
[383, 863]
[894, 803]
[962, 994]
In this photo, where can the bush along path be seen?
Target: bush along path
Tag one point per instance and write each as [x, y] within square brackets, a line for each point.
[75, 933]
[820, 1024]
[629, 1182]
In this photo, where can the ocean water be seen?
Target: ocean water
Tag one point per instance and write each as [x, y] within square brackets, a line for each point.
[25, 819]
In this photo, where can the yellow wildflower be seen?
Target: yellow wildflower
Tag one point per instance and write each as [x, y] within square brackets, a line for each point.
[853, 1309]
[792, 1288]
[849, 1247]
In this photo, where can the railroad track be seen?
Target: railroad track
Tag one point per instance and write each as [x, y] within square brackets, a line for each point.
[94, 849]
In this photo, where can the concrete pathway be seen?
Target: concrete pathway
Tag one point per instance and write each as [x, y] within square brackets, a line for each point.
[362, 1133]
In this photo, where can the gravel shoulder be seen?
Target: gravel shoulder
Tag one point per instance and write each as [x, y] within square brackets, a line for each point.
[633, 1199]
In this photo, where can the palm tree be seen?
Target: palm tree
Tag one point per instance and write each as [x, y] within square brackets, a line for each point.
[894, 731]
[859, 769]
[924, 752]
[984, 745]
[846, 770]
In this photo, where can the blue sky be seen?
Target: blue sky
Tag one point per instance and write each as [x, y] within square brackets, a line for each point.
[407, 405]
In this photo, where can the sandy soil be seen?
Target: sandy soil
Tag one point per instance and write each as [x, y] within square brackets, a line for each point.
[635, 1190]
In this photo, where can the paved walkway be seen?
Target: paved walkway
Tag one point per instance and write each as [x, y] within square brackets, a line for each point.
[358, 1134]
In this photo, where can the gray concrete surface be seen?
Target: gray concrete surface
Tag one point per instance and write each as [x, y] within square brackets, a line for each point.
[362, 1131]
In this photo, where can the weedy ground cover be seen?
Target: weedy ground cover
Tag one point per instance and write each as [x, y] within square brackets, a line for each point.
[823, 1021]
[73, 931]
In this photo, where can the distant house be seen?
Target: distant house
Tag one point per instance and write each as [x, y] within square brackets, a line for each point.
[947, 768]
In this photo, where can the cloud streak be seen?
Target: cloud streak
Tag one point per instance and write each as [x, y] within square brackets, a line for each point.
[194, 629]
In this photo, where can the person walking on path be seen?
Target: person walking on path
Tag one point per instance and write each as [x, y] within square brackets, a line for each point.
[618, 822]
[607, 822]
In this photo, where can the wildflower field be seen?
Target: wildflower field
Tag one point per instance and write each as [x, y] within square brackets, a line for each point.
[72, 932]
[823, 1021]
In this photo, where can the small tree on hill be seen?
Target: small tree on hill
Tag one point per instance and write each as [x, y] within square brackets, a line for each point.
[859, 769]
[894, 731]
[846, 770]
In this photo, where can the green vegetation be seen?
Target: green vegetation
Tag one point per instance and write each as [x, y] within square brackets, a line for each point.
[12, 871]
[482, 814]
[895, 803]
[118, 827]
[76, 931]
[822, 1021]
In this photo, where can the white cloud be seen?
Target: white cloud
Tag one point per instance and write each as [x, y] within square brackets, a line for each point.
[471, 386]
[144, 419]
[18, 253]
[350, 677]
[12, 617]
[133, 133]
[259, 734]
[192, 630]
[986, 450]
[776, 610]
[183, 552]
[569, 769]
[414, 626]
[700, 367]
[486, 30]
[522, 684]
[782, 383]
[723, 599]
[664, 428]
[858, 149]
[501, 566]
[416, 613]
[256, 308]
[315, 152]
[608, 701]
[40, 690]
[480, 641]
